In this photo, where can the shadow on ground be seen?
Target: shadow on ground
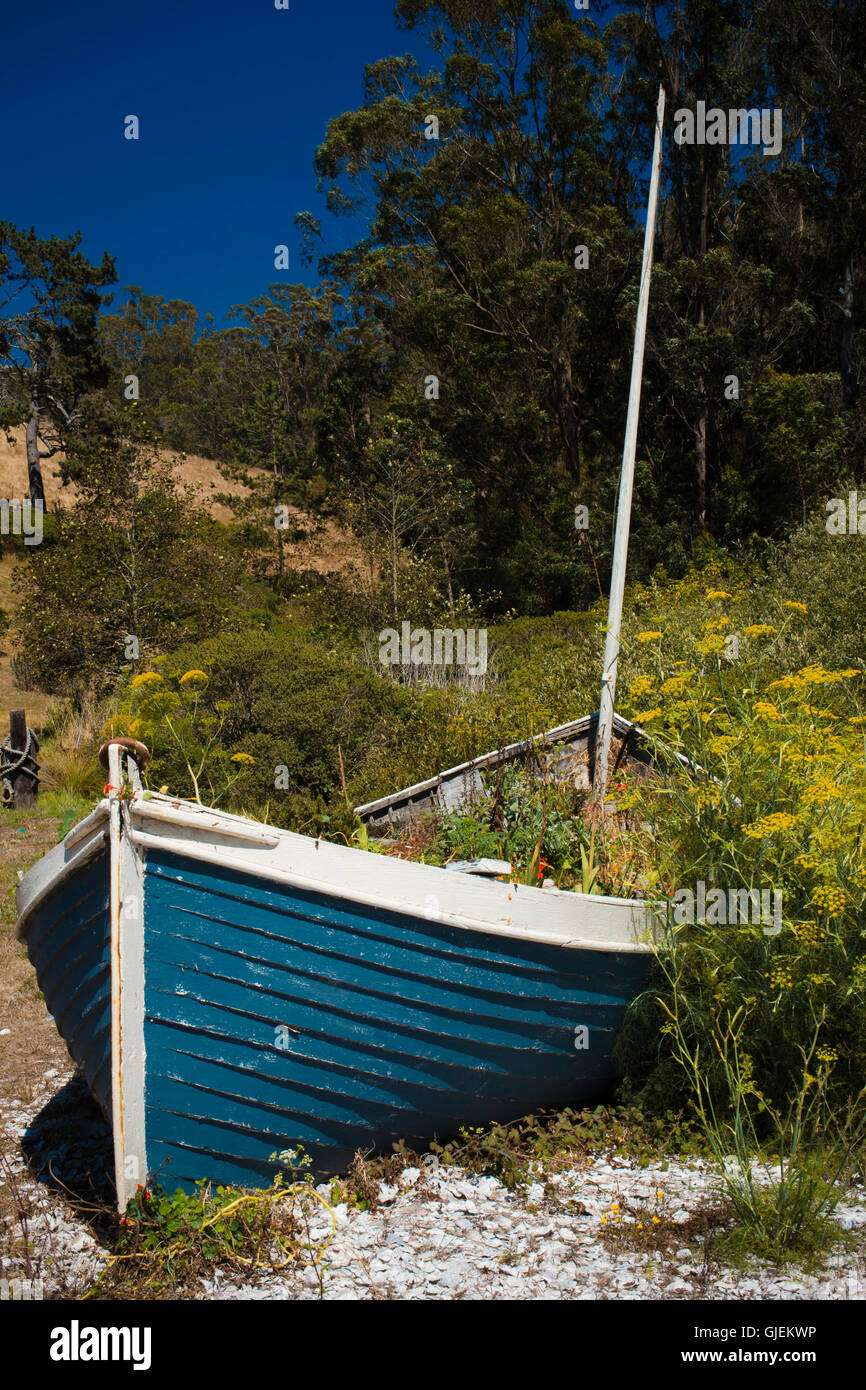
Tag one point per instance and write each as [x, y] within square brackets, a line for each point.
[68, 1147]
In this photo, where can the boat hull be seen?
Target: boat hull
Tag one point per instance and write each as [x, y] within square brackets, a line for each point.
[276, 1018]
[264, 992]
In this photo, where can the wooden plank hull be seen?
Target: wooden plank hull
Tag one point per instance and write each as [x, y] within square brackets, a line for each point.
[271, 992]
[68, 945]
[388, 1027]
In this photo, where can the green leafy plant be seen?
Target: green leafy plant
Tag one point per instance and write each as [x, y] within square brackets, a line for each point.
[167, 1242]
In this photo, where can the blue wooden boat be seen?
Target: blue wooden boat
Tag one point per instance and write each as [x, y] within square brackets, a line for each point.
[231, 990]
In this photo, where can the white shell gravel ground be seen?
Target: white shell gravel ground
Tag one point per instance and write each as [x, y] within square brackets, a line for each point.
[437, 1233]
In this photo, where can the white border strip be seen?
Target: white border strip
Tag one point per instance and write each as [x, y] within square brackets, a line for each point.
[215, 854]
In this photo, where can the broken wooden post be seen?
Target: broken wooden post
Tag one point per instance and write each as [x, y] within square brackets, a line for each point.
[20, 770]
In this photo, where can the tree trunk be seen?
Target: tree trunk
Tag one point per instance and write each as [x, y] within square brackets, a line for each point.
[701, 469]
[567, 414]
[34, 464]
[849, 391]
[447, 568]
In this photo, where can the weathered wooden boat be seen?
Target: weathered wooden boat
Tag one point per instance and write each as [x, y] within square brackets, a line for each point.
[565, 752]
[231, 990]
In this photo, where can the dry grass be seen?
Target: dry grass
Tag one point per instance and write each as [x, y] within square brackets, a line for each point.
[320, 549]
[414, 842]
[191, 470]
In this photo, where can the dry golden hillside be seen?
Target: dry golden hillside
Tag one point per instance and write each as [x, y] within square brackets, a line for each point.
[192, 470]
[326, 550]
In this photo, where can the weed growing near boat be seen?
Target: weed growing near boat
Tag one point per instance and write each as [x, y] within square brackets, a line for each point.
[529, 1150]
[763, 1030]
[543, 829]
[166, 1243]
[650, 1227]
[172, 717]
[533, 1148]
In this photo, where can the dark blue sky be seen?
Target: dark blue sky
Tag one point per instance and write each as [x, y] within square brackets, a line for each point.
[233, 97]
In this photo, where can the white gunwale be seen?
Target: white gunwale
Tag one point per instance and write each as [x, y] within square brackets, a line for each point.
[587, 922]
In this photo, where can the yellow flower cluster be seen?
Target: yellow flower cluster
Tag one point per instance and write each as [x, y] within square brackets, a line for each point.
[708, 645]
[646, 716]
[145, 678]
[811, 675]
[798, 607]
[675, 685]
[707, 795]
[713, 594]
[641, 686]
[715, 623]
[827, 1054]
[821, 791]
[774, 824]
[766, 710]
[648, 636]
[829, 898]
[759, 630]
[242, 758]
[809, 934]
[827, 839]
[723, 743]
[195, 680]
[780, 977]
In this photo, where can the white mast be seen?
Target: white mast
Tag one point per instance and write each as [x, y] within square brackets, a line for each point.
[626, 482]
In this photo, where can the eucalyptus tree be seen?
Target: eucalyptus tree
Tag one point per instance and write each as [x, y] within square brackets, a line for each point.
[50, 298]
[500, 252]
[278, 356]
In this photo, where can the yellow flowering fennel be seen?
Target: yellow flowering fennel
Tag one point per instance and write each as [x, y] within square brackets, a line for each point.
[774, 824]
[784, 809]
[193, 680]
[766, 710]
[713, 642]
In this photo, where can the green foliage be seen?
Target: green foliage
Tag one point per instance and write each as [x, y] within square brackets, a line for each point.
[49, 350]
[780, 810]
[272, 700]
[134, 556]
[542, 1144]
[167, 1243]
[537, 826]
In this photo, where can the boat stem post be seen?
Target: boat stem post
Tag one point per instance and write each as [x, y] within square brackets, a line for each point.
[626, 483]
